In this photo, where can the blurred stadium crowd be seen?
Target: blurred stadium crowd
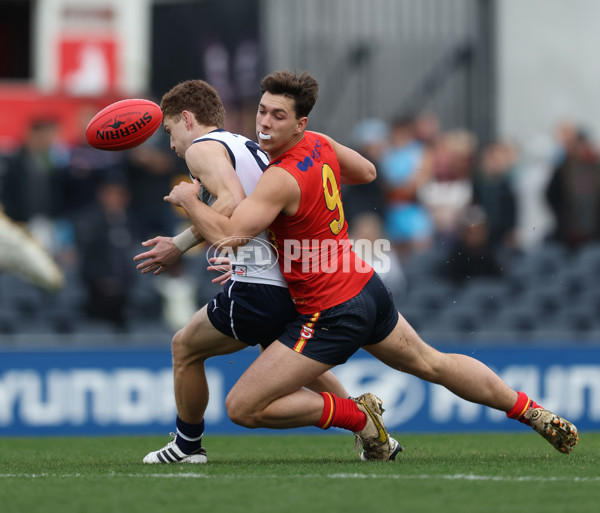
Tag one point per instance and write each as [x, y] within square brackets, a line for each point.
[487, 240]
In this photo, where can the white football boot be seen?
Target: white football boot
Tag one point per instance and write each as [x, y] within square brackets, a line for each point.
[171, 453]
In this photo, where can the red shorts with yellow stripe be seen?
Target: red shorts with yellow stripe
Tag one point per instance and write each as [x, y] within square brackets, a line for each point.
[335, 334]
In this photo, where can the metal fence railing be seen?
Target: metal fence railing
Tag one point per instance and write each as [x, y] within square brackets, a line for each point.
[388, 57]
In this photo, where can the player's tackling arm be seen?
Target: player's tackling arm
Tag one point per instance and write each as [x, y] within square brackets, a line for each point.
[354, 168]
[209, 162]
[276, 192]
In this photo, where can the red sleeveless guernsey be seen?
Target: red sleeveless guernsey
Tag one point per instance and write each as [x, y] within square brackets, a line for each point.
[315, 254]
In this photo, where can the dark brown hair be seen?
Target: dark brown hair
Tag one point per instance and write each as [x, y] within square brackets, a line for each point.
[197, 96]
[299, 86]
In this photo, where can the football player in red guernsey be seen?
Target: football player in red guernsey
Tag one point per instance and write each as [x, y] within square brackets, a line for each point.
[343, 304]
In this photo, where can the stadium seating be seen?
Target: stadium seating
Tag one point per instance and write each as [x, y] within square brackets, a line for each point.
[485, 294]
[547, 293]
[28, 313]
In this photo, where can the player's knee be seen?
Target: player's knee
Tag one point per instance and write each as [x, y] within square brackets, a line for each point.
[186, 343]
[239, 412]
[177, 345]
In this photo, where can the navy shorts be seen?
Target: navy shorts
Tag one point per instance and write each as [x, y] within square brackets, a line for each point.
[335, 334]
[252, 313]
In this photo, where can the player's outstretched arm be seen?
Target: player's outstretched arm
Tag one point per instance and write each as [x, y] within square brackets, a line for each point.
[209, 163]
[354, 168]
[161, 254]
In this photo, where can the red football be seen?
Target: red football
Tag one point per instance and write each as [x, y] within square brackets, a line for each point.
[123, 124]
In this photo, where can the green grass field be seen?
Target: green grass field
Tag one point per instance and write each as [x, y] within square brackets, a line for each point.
[309, 473]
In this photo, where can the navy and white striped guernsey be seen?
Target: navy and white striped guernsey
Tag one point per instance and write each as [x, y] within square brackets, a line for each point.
[256, 262]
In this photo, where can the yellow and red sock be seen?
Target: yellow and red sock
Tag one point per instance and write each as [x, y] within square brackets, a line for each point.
[342, 413]
[524, 402]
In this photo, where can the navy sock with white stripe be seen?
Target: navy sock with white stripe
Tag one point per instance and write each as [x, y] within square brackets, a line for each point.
[189, 436]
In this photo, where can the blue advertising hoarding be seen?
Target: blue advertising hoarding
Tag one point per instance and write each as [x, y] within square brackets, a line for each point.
[130, 391]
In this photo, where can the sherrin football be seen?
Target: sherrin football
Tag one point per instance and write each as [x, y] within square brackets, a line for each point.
[123, 124]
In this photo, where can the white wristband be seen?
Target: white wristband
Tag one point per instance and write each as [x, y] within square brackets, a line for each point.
[185, 240]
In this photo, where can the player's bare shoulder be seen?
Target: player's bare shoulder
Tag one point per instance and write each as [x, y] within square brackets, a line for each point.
[206, 156]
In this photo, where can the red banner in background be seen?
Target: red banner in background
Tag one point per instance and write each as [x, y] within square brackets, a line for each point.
[88, 66]
[21, 105]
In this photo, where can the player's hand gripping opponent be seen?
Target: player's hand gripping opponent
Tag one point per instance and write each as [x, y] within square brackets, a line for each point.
[183, 190]
[222, 265]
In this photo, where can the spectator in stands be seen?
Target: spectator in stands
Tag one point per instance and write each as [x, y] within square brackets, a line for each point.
[534, 218]
[449, 189]
[32, 189]
[471, 253]
[370, 139]
[105, 237]
[573, 193]
[151, 170]
[566, 133]
[427, 128]
[408, 224]
[493, 190]
[369, 242]
[86, 168]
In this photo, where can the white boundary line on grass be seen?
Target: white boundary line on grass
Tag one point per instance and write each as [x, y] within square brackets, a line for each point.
[397, 477]
[466, 477]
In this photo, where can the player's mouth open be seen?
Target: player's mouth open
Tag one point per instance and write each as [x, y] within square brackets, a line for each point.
[264, 137]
